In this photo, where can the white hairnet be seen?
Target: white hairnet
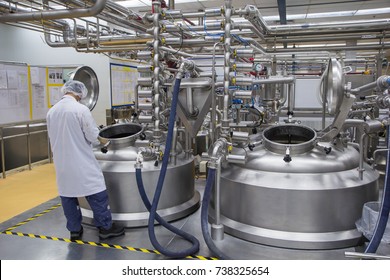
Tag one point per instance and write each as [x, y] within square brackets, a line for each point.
[75, 87]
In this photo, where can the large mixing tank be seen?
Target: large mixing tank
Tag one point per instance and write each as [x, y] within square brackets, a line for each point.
[310, 202]
[178, 198]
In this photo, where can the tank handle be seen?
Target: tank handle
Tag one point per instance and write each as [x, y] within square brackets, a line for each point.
[104, 149]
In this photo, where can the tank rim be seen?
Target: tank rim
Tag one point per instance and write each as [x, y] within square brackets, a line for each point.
[300, 131]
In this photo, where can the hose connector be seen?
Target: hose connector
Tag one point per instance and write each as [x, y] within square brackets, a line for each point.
[139, 160]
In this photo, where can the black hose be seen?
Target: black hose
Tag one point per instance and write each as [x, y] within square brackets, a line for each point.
[204, 216]
[153, 207]
[381, 223]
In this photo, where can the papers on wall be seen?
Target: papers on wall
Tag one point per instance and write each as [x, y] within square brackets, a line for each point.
[14, 93]
[38, 93]
[123, 82]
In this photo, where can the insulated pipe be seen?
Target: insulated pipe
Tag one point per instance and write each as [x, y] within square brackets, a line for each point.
[383, 216]
[157, 70]
[136, 96]
[56, 14]
[331, 48]
[227, 43]
[347, 26]
[254, 16]
[253, 28]
[213, 121]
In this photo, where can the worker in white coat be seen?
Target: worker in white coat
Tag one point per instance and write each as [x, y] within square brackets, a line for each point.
[72, 130]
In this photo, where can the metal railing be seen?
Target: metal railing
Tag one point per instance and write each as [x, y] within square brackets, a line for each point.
[28, 134]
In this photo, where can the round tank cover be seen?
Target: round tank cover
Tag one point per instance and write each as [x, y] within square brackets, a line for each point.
[333, 86]
[86, 75]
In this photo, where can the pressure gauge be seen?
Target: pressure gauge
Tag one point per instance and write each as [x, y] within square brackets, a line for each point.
[258, 67]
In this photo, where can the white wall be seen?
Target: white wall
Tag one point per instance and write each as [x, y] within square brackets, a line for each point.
[21, 45]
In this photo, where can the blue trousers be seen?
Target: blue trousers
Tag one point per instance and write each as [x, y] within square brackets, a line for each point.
[100, 208]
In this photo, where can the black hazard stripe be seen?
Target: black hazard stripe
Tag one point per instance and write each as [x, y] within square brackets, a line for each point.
[9, 231]
[34, 217]
[98, 244]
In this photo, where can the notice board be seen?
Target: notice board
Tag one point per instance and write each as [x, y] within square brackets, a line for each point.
[15, 93]
[123, 81]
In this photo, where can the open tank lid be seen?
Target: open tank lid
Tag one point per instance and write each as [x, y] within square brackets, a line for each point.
[86, 75]
[333, 85]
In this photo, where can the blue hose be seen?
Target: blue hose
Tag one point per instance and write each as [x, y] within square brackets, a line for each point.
[165, 224]
[153, 207]
[204, 216]
[381, 223]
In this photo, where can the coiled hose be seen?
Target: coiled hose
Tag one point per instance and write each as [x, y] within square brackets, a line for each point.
[204, 216]
[153, 207]
[381, 223]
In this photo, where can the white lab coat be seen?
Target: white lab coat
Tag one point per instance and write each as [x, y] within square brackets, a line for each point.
[72, 130]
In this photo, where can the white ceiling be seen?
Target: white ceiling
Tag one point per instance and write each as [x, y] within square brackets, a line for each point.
[306, 9]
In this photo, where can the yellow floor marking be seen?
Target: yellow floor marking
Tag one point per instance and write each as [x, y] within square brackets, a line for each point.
[24, 190]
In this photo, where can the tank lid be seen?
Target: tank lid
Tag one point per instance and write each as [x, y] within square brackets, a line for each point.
[87, 76]
[333, 86]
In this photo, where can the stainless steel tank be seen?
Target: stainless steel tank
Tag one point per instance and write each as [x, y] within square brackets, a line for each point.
[291, 193]
[178, 198]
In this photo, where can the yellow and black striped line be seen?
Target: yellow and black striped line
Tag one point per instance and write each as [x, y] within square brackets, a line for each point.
[9, 231]
[98, 244]
[34, 217]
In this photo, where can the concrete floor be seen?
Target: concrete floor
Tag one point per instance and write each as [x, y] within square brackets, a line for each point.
[40, 234]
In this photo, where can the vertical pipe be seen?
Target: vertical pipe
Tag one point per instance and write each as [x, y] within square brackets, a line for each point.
[188, 146]
[156, 65]
[2, 152]
[291, 100]
[217, 229]
[136, 98]
[227, 42]
[171, 4]
[324, 97]
[213, 134]
[361, 153]
[217, 194]
[28, 146]
[190, 106]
